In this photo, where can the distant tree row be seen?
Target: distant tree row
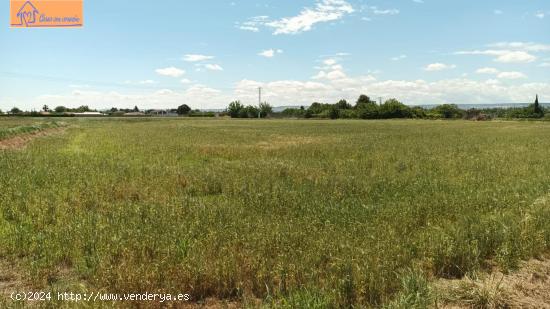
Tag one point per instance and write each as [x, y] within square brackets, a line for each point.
[365, 108]
[238, 110]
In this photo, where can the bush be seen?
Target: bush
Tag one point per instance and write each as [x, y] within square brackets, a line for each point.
[348, 114]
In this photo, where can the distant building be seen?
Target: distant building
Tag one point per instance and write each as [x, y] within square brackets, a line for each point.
[162, 113]
[89, 114]
[134, 114]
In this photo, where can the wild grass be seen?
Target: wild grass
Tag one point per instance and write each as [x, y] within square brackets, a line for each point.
[296, 213]
[7, 132]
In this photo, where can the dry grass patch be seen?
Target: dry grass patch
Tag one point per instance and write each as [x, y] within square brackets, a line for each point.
[529, 287]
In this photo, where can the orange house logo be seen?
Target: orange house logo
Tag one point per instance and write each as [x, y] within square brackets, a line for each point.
[46, 13]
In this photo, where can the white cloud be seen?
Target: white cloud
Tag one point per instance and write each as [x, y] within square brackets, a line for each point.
[270, 53]
[196, 58]
[324, 11]
[185, 81]
[249, 28]
[540, 14]
[400, 57]
[330, 84]
[171, 71]
[418, 1]
[330, 61]
[295, 92]
[487, 71]
[516, 57]
[544, 65]
[511, 75]
[163, 92]
[377, 11]
[498, 12]
[213, 67]
[140, 82]
[524, 46]
[439, 67]
[503, 56]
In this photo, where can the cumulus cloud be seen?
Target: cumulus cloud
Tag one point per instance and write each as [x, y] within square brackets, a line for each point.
[270, 53]
[525, 46]
[503, 56]
[323, 11]
[511, 75]
[196, 58]
[296, 92]
[139, 82]
[510, 52]
[439, 67]
[487, 71]
[330, 84]
[171, 72]
[213, 67]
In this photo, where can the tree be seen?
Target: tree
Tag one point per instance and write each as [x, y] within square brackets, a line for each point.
[362, 101]
[343, 104]
[265, 109]
[334, 113]
[366, 108]
[60, 109]
[318, 108]
[82, 109]
[448, 111]
[1, 112]
[538, 109]
[136, 109]
[234, 109]
[392, 108]
[15, 111]
[45, 108]
[250, 112]
[183, 109]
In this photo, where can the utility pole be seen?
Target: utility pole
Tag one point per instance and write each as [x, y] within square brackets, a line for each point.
[259, 102]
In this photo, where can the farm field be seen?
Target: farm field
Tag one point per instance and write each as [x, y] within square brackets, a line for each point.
[274, 213]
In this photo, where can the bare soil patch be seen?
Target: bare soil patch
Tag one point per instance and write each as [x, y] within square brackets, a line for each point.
[21, 141]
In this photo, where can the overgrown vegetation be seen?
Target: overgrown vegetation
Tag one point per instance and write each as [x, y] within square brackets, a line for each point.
[25, 129]
[294, 213]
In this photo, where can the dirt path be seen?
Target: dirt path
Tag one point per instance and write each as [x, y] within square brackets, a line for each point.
[21, 141]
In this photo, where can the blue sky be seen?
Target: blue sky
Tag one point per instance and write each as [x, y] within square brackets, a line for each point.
[157, 54]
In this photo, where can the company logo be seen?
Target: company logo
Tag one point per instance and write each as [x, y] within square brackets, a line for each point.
[46, 13]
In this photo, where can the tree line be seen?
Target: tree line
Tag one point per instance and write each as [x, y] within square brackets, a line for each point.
[365, 108]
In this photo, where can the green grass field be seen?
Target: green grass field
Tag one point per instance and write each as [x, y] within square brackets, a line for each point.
[292, 213]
